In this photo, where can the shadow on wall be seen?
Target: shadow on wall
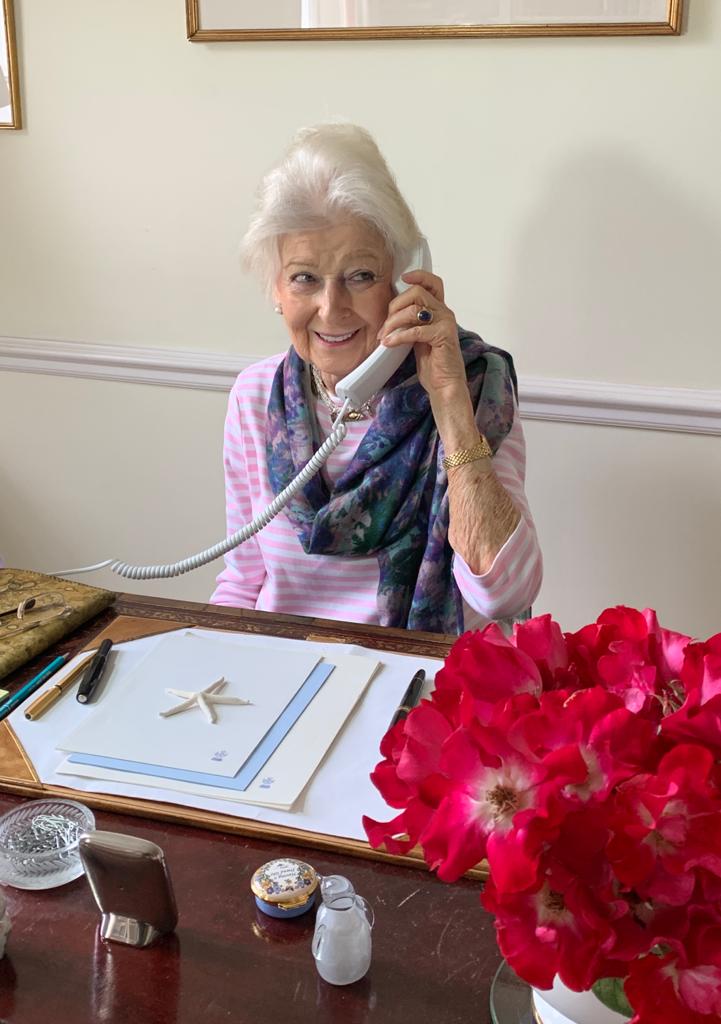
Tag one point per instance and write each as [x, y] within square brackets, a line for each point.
[18, 531]
[627, 517]
[617, 276]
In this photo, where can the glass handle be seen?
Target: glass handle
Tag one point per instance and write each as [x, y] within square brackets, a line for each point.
[317, 940]
[367, 910]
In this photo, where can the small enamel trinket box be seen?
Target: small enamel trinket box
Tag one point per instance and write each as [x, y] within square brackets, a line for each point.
[285, 888]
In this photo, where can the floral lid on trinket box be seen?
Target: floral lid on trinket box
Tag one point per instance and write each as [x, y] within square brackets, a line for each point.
[285, 887]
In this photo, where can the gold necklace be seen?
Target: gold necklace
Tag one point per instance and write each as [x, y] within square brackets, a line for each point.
[318, 388]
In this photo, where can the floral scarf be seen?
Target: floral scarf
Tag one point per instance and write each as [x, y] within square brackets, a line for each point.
[392, 500]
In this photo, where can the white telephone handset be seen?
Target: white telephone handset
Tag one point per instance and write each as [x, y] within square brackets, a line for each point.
[355, 389]
[362, 383]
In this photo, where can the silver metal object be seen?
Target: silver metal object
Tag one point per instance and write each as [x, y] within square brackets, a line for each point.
[130, 882]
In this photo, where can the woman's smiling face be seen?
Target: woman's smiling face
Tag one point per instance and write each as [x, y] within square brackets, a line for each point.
[334, 288]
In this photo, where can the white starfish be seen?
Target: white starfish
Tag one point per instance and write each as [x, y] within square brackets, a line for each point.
[204, 699]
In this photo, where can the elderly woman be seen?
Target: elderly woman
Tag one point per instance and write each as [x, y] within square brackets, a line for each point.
[419, 518]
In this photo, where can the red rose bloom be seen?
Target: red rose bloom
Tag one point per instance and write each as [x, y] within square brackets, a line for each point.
[585, 768]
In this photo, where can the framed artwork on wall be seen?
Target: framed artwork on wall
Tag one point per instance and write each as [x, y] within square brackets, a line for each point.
[218, 20]
[9, 89]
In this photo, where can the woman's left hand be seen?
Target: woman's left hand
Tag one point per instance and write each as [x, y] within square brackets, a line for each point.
[482, 515]
[438, 353]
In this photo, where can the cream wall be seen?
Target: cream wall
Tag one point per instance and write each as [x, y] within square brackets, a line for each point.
[569, 188]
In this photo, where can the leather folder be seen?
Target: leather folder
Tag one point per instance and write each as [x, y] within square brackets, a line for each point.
[70, 604]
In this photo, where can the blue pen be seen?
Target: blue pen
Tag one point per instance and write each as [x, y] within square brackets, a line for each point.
[17, 698]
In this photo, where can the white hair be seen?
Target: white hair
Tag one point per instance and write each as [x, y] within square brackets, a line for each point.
[329, 173]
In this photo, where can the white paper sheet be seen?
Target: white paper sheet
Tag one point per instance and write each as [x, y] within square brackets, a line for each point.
[127, 723]
[340, 792]
[289, 769]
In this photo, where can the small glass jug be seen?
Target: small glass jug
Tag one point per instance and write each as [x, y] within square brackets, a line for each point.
[342, 937]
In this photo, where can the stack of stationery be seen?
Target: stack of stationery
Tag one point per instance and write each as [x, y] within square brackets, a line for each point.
[204, 716]
[338, 792]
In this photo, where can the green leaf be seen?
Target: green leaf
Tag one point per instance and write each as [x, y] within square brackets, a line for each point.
[610, 992]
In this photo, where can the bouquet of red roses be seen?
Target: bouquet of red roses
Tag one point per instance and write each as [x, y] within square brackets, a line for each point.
[586, 769]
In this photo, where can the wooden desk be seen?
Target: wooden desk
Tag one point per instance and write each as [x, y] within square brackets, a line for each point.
[434, 950]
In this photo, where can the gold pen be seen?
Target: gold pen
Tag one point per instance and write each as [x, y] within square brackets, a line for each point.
[41, 705]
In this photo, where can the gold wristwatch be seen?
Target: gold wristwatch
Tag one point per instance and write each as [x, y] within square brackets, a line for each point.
[482, 450]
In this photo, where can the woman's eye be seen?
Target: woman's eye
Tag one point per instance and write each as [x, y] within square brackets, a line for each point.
[361, 277]
[303, 278]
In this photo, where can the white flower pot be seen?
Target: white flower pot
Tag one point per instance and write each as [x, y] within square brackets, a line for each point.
[560, 1005]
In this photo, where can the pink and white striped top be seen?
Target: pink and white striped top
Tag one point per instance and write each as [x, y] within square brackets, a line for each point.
[272, 572]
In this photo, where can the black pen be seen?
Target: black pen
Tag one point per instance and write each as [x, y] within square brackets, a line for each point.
[410, 697]
[94, 673]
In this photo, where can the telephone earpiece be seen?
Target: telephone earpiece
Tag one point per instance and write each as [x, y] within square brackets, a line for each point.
[362, 383]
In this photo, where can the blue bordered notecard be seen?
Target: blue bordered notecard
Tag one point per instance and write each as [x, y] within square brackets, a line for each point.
[127, 724]
[254, 764]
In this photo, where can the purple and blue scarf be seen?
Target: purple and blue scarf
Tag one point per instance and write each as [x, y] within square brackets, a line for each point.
[392, 500]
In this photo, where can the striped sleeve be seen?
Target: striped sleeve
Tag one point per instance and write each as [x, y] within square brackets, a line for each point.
[512, 583]
[239, 584]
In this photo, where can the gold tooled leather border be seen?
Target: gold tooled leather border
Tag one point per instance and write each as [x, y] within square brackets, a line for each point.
[11, 749]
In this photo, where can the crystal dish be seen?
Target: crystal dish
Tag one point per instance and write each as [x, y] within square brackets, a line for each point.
[39, 843]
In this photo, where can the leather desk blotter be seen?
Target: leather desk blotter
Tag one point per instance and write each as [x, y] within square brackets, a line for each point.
[79, 602]
[17, 775]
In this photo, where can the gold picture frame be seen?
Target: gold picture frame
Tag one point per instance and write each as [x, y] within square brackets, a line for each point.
[9, 87]
[208, 21]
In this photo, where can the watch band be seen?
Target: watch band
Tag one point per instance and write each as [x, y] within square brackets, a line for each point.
[481, 450]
